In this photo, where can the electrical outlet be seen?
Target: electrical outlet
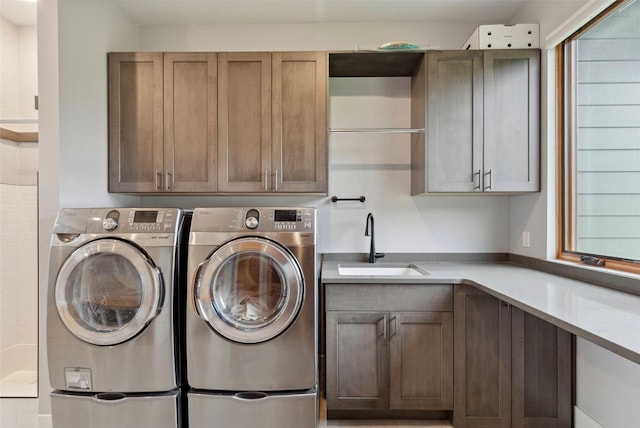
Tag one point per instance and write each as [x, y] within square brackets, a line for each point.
[526, 239]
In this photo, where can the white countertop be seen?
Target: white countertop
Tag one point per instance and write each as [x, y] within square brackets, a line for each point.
[604, 316]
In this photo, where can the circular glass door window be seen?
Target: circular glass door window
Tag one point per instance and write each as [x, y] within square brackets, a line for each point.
[107, 292]
[249, 290]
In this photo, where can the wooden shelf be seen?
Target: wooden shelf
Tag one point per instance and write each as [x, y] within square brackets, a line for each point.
[374, 63]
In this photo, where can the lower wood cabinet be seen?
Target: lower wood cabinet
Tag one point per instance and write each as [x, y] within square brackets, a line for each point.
[512, 369]
[389, 347]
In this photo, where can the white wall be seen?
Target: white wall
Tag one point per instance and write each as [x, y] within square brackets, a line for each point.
[535, 213]
[608, 387]
[18, 257]
[9, 107]
[18, 70]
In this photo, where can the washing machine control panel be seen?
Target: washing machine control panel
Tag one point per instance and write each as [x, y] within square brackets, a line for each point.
[149, 221]
[131, 220]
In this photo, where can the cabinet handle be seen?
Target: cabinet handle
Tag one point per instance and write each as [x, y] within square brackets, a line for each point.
[275, 181]
[490, 180]
[168, 180]
[266, 180]
[394, 330]
[382, 320]
[474, 180]
[157, 179]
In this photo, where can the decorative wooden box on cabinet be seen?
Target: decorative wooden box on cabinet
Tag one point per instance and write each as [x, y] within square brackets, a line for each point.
[512, 369]
[218, 123]
[389, 347]
[481, 112]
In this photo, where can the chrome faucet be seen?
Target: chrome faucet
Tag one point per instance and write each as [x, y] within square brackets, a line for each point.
[372, 248]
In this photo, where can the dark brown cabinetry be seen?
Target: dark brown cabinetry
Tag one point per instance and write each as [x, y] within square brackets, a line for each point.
[512, 369]
[389, 347]
[481, 114]
[272, 122]
[218, 123]
[135, 122]
[161, 138]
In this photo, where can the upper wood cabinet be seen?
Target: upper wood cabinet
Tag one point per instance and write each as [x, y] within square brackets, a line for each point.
[272, 122]
[190, 152]
[299, 116]
[135, 122]
[161, 134]
[481, 112]
[244, 121]
[218, 123]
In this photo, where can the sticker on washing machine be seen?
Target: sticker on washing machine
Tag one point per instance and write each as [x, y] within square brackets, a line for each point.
[77, 378]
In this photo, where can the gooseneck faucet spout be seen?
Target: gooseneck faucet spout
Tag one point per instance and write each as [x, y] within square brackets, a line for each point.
[371, 232]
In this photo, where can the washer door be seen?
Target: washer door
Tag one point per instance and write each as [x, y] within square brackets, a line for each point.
[249, 290]
[108, 291]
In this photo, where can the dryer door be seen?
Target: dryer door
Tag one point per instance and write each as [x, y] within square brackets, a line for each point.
[249, 290]
[108, 291]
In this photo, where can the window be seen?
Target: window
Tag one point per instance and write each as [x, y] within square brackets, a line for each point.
[599, 70]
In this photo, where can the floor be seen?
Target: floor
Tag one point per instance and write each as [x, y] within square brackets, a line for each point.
[22, 413]
[376, 423]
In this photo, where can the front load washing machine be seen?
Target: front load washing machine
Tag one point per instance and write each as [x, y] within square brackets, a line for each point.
[113, 299]
[251, 317]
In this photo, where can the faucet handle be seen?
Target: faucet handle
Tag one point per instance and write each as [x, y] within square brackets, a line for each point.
[379, 255]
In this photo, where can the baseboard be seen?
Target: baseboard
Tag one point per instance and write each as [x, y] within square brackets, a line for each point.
[582, 420]
[44, 421]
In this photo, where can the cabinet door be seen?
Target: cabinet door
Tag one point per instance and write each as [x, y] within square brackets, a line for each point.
[190, 120]
[357, 360]
[541, 373]
[482, 385]
[135, 122]
[244, 121]
[454, 121]
[512, 120]
[421, 355]
[299, 127]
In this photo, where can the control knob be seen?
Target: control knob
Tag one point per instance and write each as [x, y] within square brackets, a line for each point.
[251, 222]
[109, 223]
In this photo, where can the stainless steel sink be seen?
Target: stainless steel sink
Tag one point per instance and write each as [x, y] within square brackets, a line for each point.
[380, 270]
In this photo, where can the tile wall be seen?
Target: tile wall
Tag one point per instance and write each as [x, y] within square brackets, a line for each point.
[18, 278]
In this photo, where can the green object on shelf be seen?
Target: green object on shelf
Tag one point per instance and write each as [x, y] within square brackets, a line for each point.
[398, 45]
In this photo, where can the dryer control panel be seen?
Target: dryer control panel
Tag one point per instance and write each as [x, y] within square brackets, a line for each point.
[271, 219]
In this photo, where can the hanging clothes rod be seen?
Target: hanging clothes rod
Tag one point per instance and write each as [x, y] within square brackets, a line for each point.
[376, 130]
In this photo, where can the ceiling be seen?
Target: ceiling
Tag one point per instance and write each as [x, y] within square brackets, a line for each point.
[163, 12]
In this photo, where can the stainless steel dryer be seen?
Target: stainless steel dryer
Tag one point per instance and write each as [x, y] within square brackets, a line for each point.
[112, 300]
[251, 317]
